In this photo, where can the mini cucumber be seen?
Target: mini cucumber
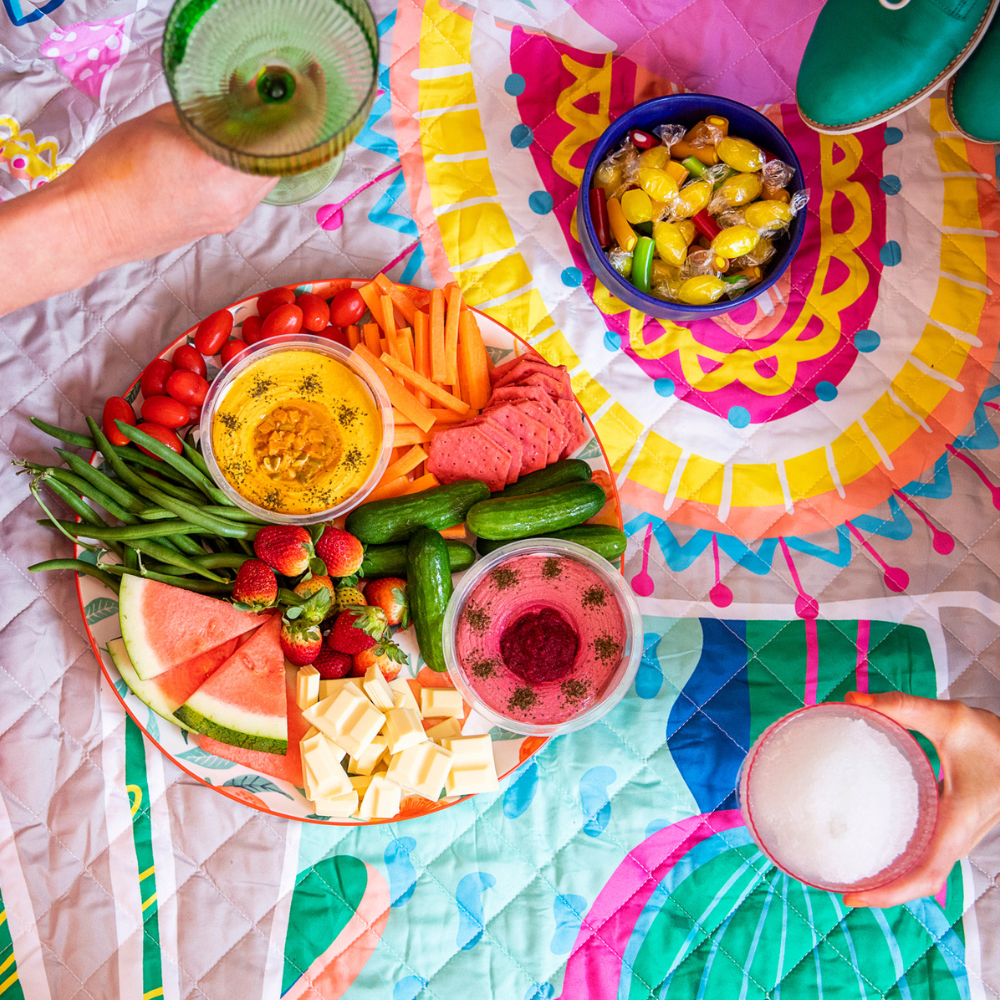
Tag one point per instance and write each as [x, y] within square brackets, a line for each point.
[395, 519]
[600, 538]
[505, 518]
[428, 585]
[569, 470]
[390, 560]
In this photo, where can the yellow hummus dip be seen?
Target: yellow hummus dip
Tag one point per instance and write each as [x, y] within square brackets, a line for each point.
[297, 433]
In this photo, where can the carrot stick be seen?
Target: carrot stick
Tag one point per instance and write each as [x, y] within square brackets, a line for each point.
[372, 339]
[398, 396]
[455, 531]
[405, 464]
[478, 385]
[404, 340]
[439, 365]
[353, 336]
[434, 391]
[443, 417]
[369, 293]
[421, 484]
[451, 335]
[422, 350]
[389, 325]
[403, 303]
[397, 487]
[408, 434]
[384, 284]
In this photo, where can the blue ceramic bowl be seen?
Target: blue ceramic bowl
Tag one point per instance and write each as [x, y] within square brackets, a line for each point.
[688, 110]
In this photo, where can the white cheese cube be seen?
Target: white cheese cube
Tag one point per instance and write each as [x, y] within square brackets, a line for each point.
[360, 782]
[311, 742]
[402, 695]
[402, 729]
[328, 777]
[473, 768]
[381, 799]
[444, 730]
[422, 768]
[377, 688]
[309, 735]
[328, 688]
[439, 703]
[365, 764]
[348, 718]
[307, 686]
[337, 806]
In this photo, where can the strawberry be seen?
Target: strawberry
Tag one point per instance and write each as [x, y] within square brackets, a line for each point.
[341, 551]
[300, 641]
[385, 655]
[389, 594]
[256, 586]
[320, 600]
[306, 588]
[331, 664]
[286, 548]
[349, 595]
[357, 628]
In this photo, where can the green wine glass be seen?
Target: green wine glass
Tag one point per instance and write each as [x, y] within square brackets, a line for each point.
[274, 87]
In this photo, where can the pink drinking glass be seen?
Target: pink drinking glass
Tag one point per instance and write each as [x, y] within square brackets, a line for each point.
[923, 774]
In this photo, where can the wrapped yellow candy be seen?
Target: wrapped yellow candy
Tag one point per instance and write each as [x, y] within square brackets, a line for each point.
[687, 230]
[702, 290]
[656, 157]
[740, 154]
[664, 281]
[637, 206]
[735, 242]
[765, 216]
[658, 184]
[740, 189]
[692, 199]
[670, 242]
[761, 254]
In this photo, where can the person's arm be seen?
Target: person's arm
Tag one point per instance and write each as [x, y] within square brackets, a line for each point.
[141, 190]
[968, 743]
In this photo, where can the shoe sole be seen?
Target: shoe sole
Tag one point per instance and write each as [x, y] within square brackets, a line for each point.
[954, 121]
[950, 70]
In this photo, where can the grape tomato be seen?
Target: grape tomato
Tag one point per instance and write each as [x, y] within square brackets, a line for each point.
[284, 320]
[116, 408]
[232, 350]
[213, 331]
[191, 359]
[162, 434]
[347, 307]
[268, 301]
[165, 410]
[187, 387]
[315, 312]
[153, 380]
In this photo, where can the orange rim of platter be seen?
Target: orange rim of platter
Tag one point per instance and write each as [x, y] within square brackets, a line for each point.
[530, 745]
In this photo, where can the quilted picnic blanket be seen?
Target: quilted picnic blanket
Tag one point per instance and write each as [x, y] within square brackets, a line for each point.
[809, 485]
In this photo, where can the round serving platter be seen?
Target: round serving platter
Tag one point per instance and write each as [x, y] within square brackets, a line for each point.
[271, 794]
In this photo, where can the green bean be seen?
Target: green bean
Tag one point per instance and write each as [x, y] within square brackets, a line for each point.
[80, 567]
[133, 456]
[187, 544]
[138, 436]
[195, 457]
[177, 581]
[127, 532]
[78, 506]
[81, 486]
[102, 481]
[70, 437]
[215, 525]
[208, 560]
[131, 558]
[231, 513]
[173, 489]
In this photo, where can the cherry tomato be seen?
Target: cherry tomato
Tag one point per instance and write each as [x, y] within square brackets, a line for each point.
[270, 300]
[347, 307]
[189, 358]
[116, 408]
[315, 312]
[213, 332]
[232, 350]
[283, 320]
[251, 330]
[187, 387]
[153, 380]
[164, 434]
[165, 410]
[194, 414]
[335, 334]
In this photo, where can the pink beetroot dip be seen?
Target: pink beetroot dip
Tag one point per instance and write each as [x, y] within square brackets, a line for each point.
[539, 638]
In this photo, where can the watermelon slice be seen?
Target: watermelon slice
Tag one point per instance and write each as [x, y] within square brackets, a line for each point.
[288, 767]
[165, 693]
[163, 625]
[243, 703]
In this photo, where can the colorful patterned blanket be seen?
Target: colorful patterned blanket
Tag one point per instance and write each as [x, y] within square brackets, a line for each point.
[809, 486]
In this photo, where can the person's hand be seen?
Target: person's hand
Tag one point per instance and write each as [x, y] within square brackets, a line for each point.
[968, 743]
[141, 190]
[145, 188]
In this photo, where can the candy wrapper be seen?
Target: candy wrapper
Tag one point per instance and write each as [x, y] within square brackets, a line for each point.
[665, 281]
[777, 173]
[761, 254]
[736, 190]
[736, 285]
[670, 133]
[621, 262]
[616, 171]
[702, 262]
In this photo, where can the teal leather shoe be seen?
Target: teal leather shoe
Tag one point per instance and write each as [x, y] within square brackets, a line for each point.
[973, 103]
[868, 60]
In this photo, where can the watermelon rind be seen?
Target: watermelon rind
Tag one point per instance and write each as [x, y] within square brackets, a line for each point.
[193, 720]
[146, 691]
[218, 621]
